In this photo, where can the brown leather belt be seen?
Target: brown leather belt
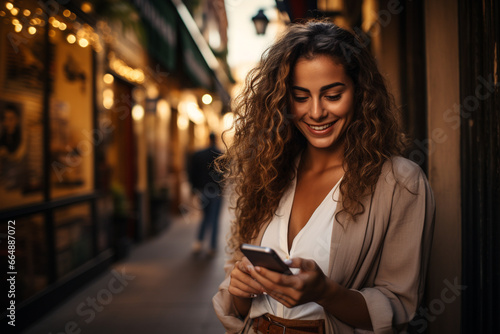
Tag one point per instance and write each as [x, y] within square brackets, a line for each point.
[270, 324]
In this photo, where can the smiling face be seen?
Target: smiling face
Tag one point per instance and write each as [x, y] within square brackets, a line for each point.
[322, 100]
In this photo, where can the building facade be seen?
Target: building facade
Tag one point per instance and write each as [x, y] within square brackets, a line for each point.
[100, 102]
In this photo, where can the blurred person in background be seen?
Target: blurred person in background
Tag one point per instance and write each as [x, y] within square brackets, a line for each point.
[317, 174]
[204, 179]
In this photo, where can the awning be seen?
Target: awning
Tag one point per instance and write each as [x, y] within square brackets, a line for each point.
[169, 27]
[199, 61]
[194, 63]
[160, 23]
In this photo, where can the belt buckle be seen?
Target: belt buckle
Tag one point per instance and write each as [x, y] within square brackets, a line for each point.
[275, 323]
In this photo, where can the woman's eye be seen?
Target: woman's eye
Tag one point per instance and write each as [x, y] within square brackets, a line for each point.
[333, 97]
[300, 98]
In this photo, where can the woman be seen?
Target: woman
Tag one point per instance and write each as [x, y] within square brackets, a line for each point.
[318, 176]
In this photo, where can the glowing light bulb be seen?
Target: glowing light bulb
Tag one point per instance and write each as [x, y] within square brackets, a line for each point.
[32, 30]
[107, 103]
[137, 112]
[206, 99]
[9, 5]
[83, 43]
[71, 39]
[86, 7]
[108, 78]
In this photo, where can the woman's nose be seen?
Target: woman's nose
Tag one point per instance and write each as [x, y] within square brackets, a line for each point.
[317, 112]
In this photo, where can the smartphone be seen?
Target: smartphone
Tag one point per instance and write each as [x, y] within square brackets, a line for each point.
[265, 257]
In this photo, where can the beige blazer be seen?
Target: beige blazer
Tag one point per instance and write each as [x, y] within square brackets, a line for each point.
[383, 254]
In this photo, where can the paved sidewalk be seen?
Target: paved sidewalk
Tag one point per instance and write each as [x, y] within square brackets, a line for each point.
[160, 288]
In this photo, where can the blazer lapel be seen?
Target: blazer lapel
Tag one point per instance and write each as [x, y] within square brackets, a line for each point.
[350, 244]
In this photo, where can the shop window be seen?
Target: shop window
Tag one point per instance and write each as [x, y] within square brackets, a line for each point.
[30, 255]
[29, 68]
[73, 237]
[71, 109]
[22, 69]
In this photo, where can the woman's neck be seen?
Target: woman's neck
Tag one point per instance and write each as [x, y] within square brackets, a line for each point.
[320, 160]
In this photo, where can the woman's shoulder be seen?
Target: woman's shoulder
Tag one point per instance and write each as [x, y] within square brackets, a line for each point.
[400, 170]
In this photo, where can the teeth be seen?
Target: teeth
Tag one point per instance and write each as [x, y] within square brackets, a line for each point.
[319, 128]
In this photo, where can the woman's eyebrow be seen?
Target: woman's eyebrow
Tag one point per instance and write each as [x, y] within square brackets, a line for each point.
[335, 84]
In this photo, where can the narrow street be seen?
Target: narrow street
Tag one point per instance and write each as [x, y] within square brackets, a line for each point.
[160, 288]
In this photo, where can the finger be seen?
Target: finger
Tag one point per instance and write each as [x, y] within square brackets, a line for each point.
[235, 291]
[285, 297]
[272, 283]
[281, 298]
[294, 262]
[248, 281]
[252, 289]
[245, 279]
[245, 265]
[273, 276]
[303, 264]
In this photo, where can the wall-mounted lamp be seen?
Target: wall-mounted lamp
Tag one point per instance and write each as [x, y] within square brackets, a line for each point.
[260, 21]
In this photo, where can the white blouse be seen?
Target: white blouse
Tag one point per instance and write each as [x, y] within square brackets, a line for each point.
[312, 242]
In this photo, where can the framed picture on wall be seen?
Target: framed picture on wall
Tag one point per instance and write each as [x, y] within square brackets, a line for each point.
[71, 118]
[12, 146]
[20, 153]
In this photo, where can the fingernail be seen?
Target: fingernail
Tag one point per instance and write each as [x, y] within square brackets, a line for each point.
[264, 293]
[249, 268]
[253, 295]
[288, 262]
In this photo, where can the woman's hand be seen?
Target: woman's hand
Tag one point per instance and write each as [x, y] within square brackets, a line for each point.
[243, 287]
[242, 284]
[309, 285]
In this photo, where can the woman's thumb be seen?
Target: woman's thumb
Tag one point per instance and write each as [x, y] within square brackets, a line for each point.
[303, 264]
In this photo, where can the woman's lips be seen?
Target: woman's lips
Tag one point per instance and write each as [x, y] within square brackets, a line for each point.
[320, 129]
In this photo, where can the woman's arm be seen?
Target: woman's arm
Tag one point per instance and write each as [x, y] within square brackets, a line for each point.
[398, 286]
[346, 305]
[242, 305]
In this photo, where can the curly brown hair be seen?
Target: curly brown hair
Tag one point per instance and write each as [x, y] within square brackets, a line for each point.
[260, 163]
